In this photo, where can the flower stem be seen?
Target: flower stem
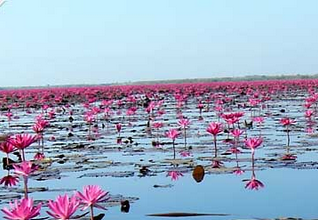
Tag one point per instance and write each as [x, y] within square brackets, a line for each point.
[23, 155]
[8, 161]
[253, 167]
[174, 150]
[215, 149]
[185, 138]
[288, 138]
[25, 180]
[92, 213]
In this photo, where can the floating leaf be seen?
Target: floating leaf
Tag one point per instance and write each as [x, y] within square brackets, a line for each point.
[198, 173]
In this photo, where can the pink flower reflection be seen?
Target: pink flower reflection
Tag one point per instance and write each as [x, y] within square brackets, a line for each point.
[185, 153]
[238, 171]
[175, 175]
[217, 164]
[254, 184]
[9, 180]
[289, 157]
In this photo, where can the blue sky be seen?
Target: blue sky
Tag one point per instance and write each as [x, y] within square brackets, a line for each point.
[73, 42]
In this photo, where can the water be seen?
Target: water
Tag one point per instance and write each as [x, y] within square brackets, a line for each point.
[290, 186]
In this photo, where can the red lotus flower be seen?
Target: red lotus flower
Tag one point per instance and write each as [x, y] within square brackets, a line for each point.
[91, 196]
[214, 128]
[173, 134]
[39, 156]
[22, 141]
[63, 207]
[22, 210]
[237, 132]
[157, 125]
[89, 117]
[40, 125]
[309, 113]
[258, 120]
[184, 123]
[6, 147]
[253, 143]
[25, 168]
[286, 121]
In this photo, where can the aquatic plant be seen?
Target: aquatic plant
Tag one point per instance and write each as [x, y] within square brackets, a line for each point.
[91, 197]
[214, 129]
[63, 207]
[25, 169]
[287, 123]
[184, 123]
[173, 134]
[22, 210]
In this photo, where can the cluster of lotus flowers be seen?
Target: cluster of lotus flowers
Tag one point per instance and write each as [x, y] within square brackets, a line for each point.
[63, 207]
[113, 100]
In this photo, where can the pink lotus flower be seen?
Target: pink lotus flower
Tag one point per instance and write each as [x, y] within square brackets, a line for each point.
[259, 120]
[23, 210]
[253, 143]
[157, 125]
[173, 134]
[237, 132]
[40, 125]
[91, 196]
[89, 117]
[174, 174]
[184, 123]
[309, 113]
[9, 180]
[286, 121]
[39, 156]
[25, 168]
[214, 128]
[253, 183]
[63, 207]
[21, 141]
[6, 147]
[230, 118]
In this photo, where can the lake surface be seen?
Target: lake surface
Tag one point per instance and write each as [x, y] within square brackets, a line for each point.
[73, 161]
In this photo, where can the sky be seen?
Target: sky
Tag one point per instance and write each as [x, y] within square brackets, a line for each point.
[62, 42]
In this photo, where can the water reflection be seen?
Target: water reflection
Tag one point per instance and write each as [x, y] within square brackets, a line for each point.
[174, 173]
[253, 183]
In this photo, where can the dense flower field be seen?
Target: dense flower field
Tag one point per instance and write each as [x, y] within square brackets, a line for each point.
[154, 132]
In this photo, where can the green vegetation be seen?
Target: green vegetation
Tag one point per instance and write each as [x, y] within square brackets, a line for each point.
[194, 80]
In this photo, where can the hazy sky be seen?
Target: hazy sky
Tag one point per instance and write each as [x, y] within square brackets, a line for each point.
[98, 41]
